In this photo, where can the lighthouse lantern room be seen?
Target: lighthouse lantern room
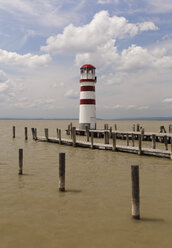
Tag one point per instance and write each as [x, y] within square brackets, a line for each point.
[87, 112]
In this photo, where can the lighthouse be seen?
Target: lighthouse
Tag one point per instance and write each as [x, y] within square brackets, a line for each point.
[87, 111]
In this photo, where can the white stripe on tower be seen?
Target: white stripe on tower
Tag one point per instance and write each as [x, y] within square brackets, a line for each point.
[87, 115]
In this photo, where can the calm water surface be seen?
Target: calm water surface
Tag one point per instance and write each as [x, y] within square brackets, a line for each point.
[96, 209]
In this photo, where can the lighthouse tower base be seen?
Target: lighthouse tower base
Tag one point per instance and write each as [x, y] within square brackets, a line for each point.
[84, 125]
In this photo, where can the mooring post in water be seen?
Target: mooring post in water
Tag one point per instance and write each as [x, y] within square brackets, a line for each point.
[135, 192]
[113, 141]
[74, 136]
[166, 142]
[140, 144]
[106, 137]
[110, 132]
[71, 130]
[134, 128]
[62, 172]
[138, 127]
[153, 141]
[115, 126]
[127, 137]
[14, 131]
[57, 130]
[46, 133]
[87, 133]
[171, 148]
[133, 137]
[25, 133]
[20, 161]
[92, 142]
[60, 136]
[33, 132]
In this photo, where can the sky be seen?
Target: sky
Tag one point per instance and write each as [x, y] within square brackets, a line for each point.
[43, 44]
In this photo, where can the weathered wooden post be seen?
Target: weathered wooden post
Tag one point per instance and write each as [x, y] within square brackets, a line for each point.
[14, 132]
[113, 141]
[87, 133]
[92, 138]
[106, 137]
[135, 192]
[46, 133]
[60, 136]
[142, 133]
[166, 142]
[127, 137]
[110, 132]
[71, 130]
[140, 144]
[134, 128]
[25, 133]
[115, 126]
[138, 127]
[33, 132]
[133, 138]
[57, 130]
[74, 136]
[171, 149]
[62, 172]
[170, 128]
[20, 161]
[153, 141]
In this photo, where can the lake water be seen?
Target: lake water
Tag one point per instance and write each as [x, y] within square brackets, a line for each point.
[95, 210]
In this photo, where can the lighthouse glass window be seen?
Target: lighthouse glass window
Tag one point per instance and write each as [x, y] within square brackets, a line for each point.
[90, 73]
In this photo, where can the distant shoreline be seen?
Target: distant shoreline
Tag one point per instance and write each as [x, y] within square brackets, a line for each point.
[117, 119]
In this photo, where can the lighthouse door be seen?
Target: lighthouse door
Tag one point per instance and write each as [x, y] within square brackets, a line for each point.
[93, 123]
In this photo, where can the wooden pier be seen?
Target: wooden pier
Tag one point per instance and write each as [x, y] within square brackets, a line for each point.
[139, 149]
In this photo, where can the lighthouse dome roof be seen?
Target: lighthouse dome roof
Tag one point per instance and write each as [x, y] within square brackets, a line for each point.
[88, 66]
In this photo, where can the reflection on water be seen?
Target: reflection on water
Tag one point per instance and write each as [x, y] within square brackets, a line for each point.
[96, 209]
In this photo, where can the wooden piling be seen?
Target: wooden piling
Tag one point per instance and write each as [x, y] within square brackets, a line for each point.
[166, 142]
[127, 137]
[138, 127]
[14, 132]
[113, 141]
[20, 161]
[133, 139]
[92, 138]
[74, 136]
[62, 172]
[59, 136]
[140, 144]
[171, 149]
[106, 137]
[71, 130]
[46, 133]
[33, 133]
[87, 133]
[134, 128]
[153, 141]
[135, 192]
[57, 130]
[25, 133]
[115, 126]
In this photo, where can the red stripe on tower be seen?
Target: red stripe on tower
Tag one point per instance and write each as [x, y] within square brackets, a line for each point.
[87, 101]
[87, 88]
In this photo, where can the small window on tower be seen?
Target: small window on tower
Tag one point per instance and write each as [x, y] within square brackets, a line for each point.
[90, 71]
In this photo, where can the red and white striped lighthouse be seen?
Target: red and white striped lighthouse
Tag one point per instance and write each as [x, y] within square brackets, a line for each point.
[87, 112]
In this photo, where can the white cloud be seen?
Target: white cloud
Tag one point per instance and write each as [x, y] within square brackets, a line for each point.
[107, 1]
[168, 100]
[30, 60]
[72, 94]
[100, 31]
[160, 6]
[46, 13]
[4, 82]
